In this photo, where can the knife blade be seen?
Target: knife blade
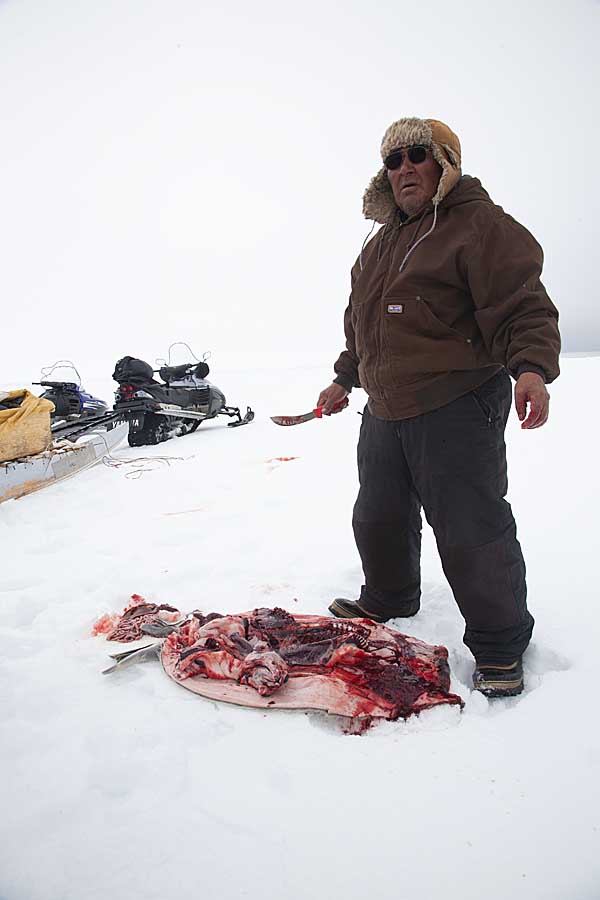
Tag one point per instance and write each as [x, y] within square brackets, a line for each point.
[316, 413]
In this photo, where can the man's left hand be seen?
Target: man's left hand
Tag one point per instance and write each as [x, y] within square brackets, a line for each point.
[530, 389]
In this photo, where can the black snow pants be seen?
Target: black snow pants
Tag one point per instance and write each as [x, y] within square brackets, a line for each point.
[451, 462]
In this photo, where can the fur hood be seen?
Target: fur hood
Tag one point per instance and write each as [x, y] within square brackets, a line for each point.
[378, 199]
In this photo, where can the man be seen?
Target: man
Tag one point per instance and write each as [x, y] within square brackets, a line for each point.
[446, 301]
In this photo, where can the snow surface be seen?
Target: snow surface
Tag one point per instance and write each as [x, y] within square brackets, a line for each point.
[128, 786]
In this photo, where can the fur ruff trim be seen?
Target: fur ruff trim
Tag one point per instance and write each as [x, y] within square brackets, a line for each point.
[378, 199]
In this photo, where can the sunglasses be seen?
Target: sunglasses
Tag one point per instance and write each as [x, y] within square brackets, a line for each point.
[416, 155]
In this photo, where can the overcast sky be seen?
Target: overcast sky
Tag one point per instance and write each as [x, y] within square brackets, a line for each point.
[191, 170]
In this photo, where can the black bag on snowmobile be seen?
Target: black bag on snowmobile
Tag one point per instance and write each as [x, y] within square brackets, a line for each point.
[134, 371]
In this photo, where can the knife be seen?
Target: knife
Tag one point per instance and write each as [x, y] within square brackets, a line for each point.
[313, 414]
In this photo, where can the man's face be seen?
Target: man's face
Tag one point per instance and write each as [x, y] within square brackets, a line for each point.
[414, 184]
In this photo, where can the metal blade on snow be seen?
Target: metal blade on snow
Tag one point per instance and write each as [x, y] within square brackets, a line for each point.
[128, 657]
[314, 414]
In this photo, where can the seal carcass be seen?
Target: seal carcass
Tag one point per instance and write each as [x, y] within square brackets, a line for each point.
[269, 658]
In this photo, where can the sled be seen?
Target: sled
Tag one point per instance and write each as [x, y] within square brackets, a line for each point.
[62, 460]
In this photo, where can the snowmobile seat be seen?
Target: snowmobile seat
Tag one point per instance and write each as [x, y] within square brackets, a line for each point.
[174, 373]
[183, 372]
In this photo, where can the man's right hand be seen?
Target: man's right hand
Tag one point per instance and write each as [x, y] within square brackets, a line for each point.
[330, 396]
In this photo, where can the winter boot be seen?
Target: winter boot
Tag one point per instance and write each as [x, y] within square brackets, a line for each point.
[349, 609]
[499, 680]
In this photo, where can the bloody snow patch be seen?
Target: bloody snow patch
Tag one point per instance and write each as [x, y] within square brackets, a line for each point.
[105, 624]
[270, 658]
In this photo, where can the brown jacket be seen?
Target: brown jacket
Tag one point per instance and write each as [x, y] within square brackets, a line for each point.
[468, 301]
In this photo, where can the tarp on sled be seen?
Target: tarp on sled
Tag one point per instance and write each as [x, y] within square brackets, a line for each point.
[24, 424]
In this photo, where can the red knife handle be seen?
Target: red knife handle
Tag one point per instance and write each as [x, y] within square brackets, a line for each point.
[337, 407]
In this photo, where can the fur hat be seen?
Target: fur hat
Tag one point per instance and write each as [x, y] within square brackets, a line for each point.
[378, 199]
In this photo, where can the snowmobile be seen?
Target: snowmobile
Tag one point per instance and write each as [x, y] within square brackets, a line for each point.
[75, 411]
[174, 406]
[71, 402]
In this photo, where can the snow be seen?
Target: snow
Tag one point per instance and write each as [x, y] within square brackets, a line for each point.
[129, 786]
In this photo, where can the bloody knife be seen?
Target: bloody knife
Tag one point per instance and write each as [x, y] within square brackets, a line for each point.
[313, 414]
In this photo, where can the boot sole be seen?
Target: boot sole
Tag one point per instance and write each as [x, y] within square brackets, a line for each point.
[500, 688]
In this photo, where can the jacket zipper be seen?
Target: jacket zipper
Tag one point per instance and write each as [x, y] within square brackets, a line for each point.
[380, 321]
